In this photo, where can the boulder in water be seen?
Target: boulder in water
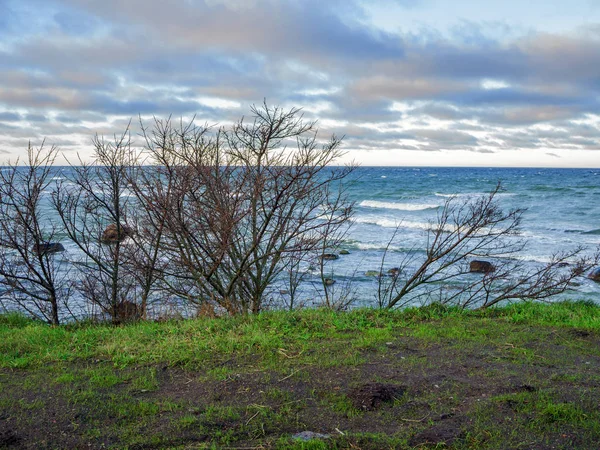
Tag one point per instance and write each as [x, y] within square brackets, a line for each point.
[595, 274]
[394, 272]
[111, 234]
[344, 252]
[481, 267]
[372, 273]
[329, 256]
[329, 281]
[47, 248]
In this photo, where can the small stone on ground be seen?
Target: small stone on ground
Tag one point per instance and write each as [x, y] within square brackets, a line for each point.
[308, 435]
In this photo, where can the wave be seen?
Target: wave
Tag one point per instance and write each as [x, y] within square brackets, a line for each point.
[400, 206]
[377, 246]
[473, 194]
[395, 223]
[532, 258]
[596, 231]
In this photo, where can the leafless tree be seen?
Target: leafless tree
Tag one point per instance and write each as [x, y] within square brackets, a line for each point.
[32, 276]
[152, 187]
[469, 231]
[93, 205]
[243, 203]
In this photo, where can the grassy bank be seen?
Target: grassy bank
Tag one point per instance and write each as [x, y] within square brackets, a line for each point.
[524, 376]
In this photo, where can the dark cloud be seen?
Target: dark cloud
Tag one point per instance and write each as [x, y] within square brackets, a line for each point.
[9, 117]
[36, 118]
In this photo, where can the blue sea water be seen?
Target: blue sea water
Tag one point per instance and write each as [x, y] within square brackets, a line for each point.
[562, 212]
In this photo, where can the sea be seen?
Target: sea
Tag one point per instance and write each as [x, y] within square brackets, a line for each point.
[395, 206]
[561, 206]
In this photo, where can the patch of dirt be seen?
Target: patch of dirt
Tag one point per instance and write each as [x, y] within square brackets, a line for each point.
[426, 394]
[446, 432]
[370, 396]
[8, 439]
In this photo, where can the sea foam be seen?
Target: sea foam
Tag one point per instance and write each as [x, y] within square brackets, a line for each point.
[396, 205]
[386, 222]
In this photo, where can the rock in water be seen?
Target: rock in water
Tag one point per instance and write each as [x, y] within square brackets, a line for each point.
[329, 281]
[47, 248]
[344, 252]
[595, 274]
[329, 257]
[111, 235]
[372, 273]
[481, 267]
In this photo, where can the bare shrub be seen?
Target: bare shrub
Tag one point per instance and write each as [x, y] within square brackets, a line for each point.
[93, 204]
[240, 205]
[476, 229]
[33, 277]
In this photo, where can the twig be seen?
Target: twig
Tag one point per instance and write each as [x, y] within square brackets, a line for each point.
[417, 420]
[255, 414]
[291, 374]
[282, 351]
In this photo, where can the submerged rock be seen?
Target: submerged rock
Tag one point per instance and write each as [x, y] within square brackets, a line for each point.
[344, 252]
[50, 247]
[481, 267]
[372, 273]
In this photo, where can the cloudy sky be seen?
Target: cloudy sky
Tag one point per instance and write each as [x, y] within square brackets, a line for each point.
[408, 82]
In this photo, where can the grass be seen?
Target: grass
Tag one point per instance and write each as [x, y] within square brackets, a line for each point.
[521, 375]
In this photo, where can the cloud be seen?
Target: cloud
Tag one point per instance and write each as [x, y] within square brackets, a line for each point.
[71, 68]
[9, 117]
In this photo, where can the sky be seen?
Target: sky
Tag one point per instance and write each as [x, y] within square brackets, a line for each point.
[406, 82]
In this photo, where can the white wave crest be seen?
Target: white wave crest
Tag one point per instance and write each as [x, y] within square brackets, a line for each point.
[395, 223]
[376, 246]
[473, 194]
[400, 206]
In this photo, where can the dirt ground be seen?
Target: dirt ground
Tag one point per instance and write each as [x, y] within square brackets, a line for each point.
[407, 393]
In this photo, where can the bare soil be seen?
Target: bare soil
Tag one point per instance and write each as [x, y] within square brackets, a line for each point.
[415, 392]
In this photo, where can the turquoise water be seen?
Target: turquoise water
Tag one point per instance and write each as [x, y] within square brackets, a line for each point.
[562, 212]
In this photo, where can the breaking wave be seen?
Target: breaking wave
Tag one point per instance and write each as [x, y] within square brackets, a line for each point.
[398, 206]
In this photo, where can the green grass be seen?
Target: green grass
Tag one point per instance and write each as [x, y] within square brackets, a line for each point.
[268, 337]
[253, 381]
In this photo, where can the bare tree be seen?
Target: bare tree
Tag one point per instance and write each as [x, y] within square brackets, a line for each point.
[152, 186]
[244, 203]
[32, 276]
[464, 233]
[93, 205]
